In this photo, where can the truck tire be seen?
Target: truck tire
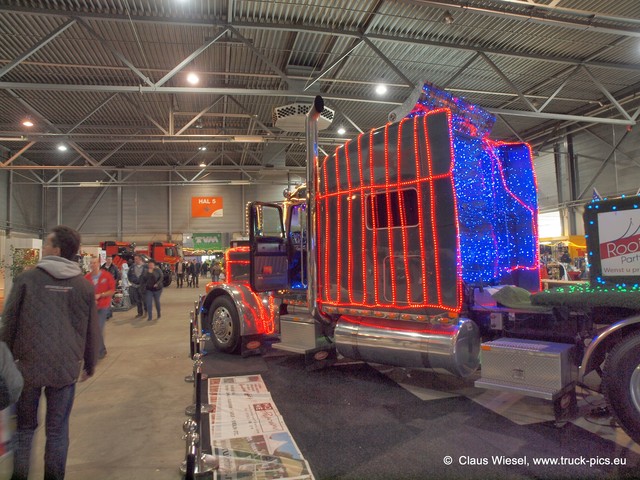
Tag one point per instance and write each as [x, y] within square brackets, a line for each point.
[621, 384]
[225, 325]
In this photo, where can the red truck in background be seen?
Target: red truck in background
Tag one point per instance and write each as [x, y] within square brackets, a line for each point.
[165, 254]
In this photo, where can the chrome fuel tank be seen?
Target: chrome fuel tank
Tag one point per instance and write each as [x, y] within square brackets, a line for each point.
[453, 346]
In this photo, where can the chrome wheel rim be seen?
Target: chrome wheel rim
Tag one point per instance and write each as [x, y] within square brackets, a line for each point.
[634, 386]
[222, 325]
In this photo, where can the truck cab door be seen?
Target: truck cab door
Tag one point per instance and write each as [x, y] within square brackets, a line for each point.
[269, 262]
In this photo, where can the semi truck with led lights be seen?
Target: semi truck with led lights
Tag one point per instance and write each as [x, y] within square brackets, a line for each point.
[412, 243]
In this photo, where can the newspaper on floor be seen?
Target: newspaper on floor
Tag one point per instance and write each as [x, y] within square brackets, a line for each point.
[248, 434]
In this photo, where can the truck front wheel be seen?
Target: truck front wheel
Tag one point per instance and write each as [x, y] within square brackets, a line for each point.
[621, 384]
[225, 325]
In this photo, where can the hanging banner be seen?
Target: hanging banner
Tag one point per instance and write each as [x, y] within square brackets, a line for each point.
[206, 206]
[207, 241]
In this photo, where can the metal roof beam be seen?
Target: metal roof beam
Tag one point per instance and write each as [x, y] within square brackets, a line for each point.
[461, 70]
[334, 64]
[9, 151]
[141, 111]
[506, 79]
[279, 93]
[198, 115]
[260, 55]
[603, 165]
[189, 58]
[533, 14]
[321, 30]
[607, 94]
[386, 60]
[561, 116]
[62, 170]
[92, 112]
[246, 110]
[76, 147]
[45, 41]
[558, 90]
[8, 162]
[602, 140]
[115, 52]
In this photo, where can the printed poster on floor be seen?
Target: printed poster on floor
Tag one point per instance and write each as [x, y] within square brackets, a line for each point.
[248, 434]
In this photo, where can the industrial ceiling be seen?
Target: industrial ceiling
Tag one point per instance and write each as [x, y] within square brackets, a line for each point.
[108, 79]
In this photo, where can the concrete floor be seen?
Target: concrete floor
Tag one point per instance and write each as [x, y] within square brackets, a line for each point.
[127, 420]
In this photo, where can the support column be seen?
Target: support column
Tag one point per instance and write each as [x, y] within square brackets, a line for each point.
[9, 201]
[574, 190]
[119, 207]
[43, 206]
[561, 184]
[59, 201]
[169, 210]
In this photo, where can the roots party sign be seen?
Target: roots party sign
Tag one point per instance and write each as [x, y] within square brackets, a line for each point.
[612, 230]
[620, 242]
[206, 206]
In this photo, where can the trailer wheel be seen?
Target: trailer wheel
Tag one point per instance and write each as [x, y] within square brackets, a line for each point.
[225, 325]
[621, 384]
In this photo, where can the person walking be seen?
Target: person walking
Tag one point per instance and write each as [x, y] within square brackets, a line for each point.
[50, 324]
[152, 280]
[216, 270]
[180, 273]
[196, 273]
[110, 267]
[191, 268]
[205, 268]
[104, 286]
[136, 290]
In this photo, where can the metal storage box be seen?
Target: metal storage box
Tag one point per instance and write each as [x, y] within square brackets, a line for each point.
[530, 367]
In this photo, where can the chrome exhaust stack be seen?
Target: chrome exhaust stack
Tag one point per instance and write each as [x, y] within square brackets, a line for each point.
[313, 169]
[454, 346]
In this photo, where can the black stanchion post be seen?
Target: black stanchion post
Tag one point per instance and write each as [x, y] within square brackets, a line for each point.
[192, 327]
[193, 341]
[202, 337]
[193, 434]
[204, 407]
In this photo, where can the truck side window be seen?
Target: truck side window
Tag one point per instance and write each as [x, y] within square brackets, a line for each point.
[402, 205]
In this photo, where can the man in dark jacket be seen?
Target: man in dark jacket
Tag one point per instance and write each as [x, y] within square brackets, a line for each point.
[153, 283]
[50, 324]
[136, 290]
[110, 267]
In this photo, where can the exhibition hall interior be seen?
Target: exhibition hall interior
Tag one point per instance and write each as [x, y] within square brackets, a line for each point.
[319, 239]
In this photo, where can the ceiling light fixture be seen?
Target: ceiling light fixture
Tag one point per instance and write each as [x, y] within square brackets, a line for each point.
[202, 164]
[62, 148]
[202, 149]
[27, 122]
[199, 125]
[193, 79]
[447, 18]
[341, 131]
[381, 89]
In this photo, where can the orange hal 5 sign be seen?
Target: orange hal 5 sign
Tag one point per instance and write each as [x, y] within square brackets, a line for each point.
[206, 206]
